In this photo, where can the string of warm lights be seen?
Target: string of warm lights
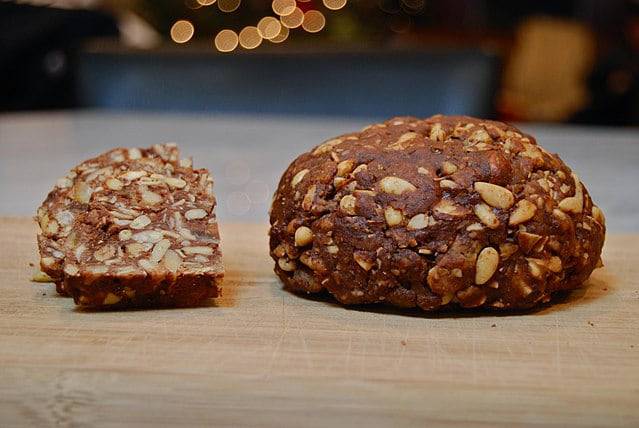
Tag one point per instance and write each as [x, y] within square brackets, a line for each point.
[274, 29]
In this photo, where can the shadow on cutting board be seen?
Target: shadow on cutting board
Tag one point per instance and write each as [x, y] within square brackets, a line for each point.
[597, 286]
[225, 300]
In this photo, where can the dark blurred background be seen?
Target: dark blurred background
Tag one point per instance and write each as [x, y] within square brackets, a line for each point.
[570, 61]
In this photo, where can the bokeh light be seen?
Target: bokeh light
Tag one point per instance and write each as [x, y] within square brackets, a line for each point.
[228, 5]
[192, 4]
[283, 7]
[238, 203]
[269, 27]
[400, 24]
[226, 41]
[282, 36]
[258, 192]
[334, 4]
[250, 37]
[275, 29]
[237, 172]
[413, 5]
[294, 19]
[314, 21]
[182, 31]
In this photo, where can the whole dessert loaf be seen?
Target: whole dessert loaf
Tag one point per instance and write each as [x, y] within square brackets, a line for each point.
[432, 213]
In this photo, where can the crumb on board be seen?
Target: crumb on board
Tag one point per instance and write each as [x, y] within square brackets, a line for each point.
[403, 343]
[39, 276]
[494, 325]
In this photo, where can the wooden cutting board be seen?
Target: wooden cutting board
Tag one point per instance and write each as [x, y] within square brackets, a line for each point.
[261, 356]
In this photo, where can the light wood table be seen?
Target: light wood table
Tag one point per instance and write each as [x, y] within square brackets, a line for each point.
[261, 356]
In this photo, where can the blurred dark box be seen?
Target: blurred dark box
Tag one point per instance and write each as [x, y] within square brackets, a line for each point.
[370, 83]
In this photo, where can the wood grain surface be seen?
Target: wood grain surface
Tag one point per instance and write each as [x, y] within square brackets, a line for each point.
[260, 356]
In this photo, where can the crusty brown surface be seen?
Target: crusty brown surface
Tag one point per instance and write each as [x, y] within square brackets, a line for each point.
[435, 212]
[143, 231]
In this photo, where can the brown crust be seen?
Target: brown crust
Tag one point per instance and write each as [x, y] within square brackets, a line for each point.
[435, 212]
[141, 291]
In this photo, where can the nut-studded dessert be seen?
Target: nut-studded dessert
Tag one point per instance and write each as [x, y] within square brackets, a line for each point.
[431, 213]
[143, 231]
[71, 196]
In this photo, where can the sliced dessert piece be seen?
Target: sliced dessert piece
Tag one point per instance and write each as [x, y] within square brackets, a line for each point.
[71, 196]
[133, 227]
[149, 238]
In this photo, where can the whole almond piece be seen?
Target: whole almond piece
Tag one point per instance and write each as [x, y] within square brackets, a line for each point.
[486, 265]
[494, 195]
